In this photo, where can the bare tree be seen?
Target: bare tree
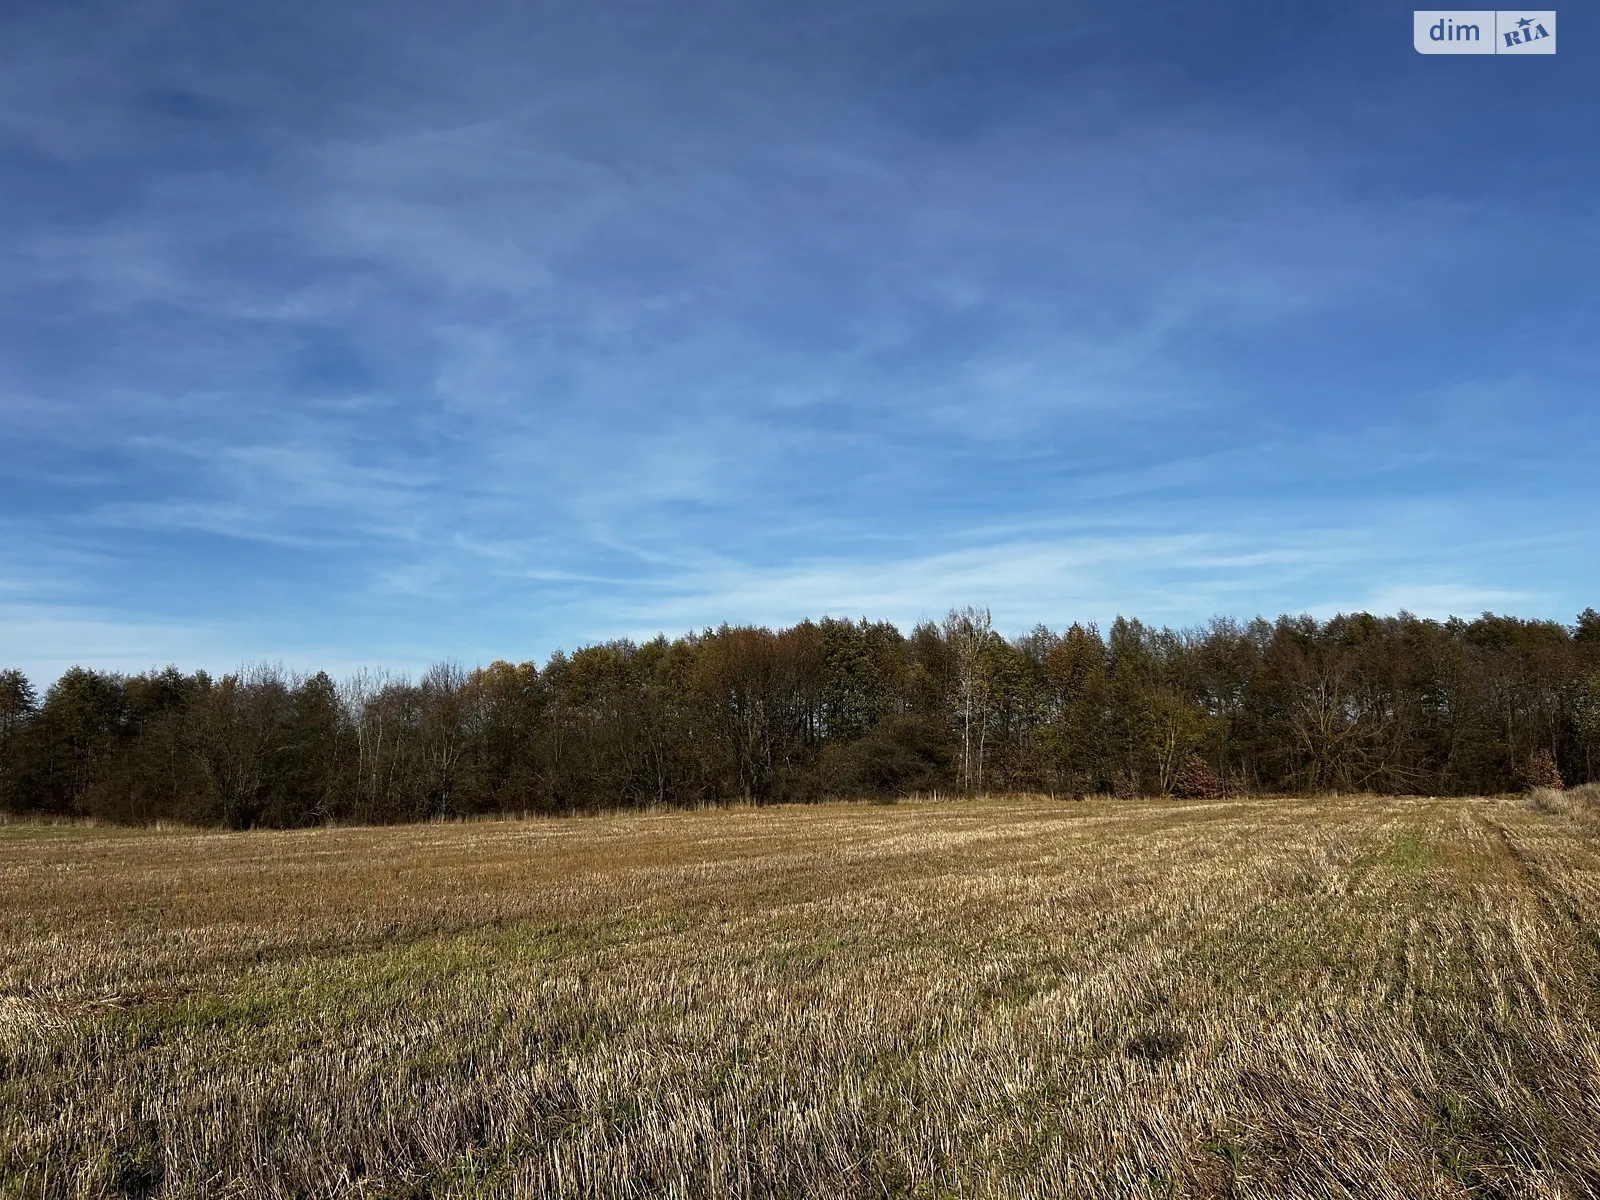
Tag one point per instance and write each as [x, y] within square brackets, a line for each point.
[967, 630]
[243, 732]
[443, 728]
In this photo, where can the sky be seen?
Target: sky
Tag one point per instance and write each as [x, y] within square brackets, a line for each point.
[377, 334]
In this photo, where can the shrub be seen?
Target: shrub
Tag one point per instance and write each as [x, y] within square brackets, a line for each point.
[897, 756]
[1541, 772]
[1196, 780]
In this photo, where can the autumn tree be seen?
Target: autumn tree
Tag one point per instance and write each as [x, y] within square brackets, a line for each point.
[833, 707]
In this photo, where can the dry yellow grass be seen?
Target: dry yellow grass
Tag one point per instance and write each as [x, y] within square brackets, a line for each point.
[1357, 997]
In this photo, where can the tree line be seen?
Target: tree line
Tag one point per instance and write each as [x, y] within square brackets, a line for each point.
[830, 708]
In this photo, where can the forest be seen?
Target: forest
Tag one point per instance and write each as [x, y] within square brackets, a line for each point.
[830, 708]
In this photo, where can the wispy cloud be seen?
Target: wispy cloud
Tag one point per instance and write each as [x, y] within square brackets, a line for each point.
[410, 332]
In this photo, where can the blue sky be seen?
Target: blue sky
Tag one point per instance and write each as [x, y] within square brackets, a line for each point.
[383, 333]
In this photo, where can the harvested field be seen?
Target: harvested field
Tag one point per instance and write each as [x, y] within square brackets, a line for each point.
[1353, 997]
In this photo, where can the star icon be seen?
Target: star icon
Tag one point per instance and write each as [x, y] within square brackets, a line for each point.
[1525, 22]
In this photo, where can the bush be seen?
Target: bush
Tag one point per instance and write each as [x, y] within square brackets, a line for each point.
[898, 756]
[1125, 785]
[1541, 772]
[1196, 780]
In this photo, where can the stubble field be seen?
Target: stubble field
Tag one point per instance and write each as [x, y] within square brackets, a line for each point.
[1361, 996]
